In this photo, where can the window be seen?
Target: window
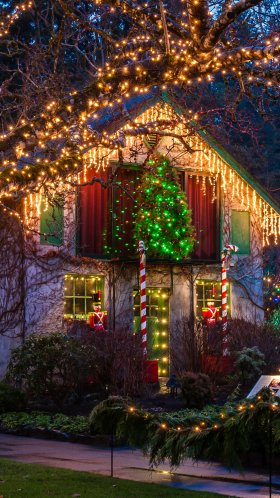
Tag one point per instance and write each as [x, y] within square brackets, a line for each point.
[240, 230]
[51, 223]
[201, 198]
[207, 291]
[106, 215]
[80, 292]
[157, 326]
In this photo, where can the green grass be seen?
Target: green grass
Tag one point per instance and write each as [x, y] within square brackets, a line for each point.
[37, 481]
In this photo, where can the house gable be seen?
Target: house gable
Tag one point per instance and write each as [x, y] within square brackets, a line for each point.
[236, 187]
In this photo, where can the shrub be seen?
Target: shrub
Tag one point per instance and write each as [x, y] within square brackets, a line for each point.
[234, 435]
[249, 364]
[119, 362]
[196, 389]
[244, 334]
[11, 399]
[185, 352]
[52, 365]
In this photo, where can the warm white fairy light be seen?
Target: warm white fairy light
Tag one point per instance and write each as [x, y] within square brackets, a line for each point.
[204, 159]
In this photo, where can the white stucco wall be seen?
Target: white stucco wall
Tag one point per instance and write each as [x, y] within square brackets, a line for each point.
[44, 298]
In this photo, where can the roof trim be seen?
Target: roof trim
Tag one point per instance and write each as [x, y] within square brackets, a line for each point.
[153, 98]
[229, 159]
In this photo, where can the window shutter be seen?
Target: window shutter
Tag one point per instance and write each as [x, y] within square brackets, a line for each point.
[93, 216]
[204, 216]
[240, 230]
[51, 224]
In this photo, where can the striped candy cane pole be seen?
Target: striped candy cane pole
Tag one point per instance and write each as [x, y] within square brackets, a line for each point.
[224, 256]
[143, 301]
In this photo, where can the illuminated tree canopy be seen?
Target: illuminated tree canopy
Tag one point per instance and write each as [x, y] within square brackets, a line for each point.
[64, 62]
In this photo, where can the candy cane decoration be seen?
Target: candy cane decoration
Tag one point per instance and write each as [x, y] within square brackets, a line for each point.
[143, 300]
[224, 257]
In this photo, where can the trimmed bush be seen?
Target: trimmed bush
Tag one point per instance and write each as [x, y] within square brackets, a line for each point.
[196, 389]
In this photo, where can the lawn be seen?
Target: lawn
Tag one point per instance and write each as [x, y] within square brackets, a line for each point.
[37, 481]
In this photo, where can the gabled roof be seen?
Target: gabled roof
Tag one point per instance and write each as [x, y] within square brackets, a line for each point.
[115, 119]
[240, 170]
[230, 160]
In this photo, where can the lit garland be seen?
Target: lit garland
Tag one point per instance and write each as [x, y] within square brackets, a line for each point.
[204, 159]
[201, 422]
[227, 432]
[163, 220]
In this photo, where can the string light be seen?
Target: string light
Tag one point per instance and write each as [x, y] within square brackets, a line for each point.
[208, 424]
[100, 158]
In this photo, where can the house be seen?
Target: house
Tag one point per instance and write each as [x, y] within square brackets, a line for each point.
[86, 251]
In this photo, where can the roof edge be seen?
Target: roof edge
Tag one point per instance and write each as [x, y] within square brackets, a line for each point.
[228, 158]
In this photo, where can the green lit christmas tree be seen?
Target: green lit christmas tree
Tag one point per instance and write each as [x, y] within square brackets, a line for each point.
[163, 220]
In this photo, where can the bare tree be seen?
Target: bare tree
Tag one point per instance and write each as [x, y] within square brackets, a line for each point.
[63, 63]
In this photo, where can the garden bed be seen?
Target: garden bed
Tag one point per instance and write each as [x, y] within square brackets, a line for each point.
[58, 427]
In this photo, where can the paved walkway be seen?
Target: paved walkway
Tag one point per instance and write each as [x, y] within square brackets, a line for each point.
[130, 464]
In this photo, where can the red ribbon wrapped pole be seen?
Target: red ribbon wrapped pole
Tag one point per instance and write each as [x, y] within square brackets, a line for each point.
[143, 298]
[224, 257]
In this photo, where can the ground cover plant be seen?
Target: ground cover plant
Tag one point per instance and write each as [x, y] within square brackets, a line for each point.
[38, 420]
[38, 481]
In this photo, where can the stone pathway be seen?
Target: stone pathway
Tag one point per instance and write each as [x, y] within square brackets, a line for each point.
[131, 464]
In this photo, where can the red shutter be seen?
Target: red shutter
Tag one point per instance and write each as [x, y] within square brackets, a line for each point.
[204, 216]
[93, 203]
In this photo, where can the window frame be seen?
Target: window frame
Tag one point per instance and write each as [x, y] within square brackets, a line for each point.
[86, 297]
[204, 304]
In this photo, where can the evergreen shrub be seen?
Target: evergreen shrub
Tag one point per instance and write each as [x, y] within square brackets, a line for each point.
[243, 334]
[53, 366]
[249, 364]
[196, 389]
